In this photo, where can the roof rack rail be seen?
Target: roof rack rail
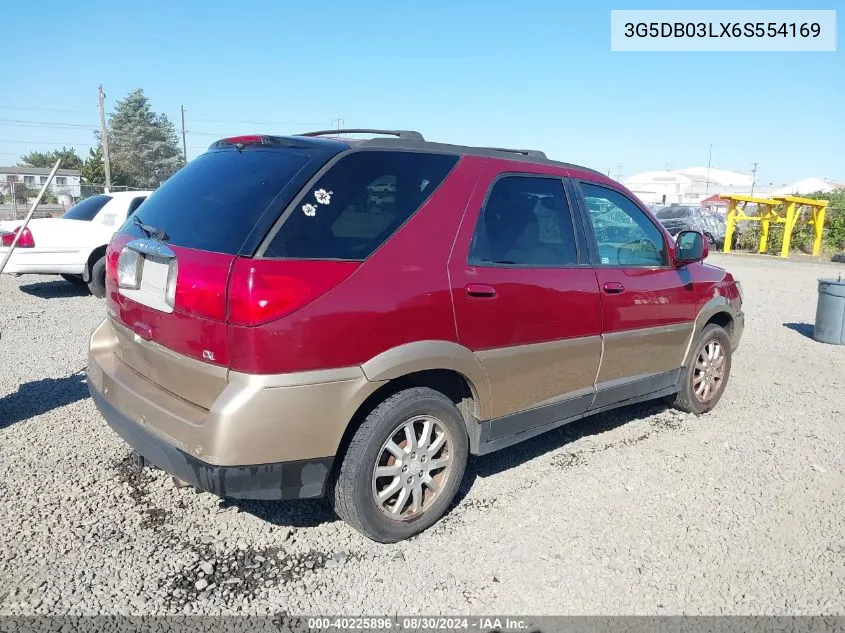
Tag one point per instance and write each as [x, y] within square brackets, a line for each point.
[406, 134]
[532, 153]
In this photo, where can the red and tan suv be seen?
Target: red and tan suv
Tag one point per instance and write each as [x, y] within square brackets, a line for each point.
[296, 316]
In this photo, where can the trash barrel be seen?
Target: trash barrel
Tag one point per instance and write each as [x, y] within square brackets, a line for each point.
[830, 312]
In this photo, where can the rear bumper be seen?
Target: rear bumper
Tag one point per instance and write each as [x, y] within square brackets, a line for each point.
[252, 436]
[283, 480]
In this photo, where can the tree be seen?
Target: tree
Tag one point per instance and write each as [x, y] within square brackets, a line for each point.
[24, 193]
[93, 170]
[93, 174]
[142, 144]
[70, 159]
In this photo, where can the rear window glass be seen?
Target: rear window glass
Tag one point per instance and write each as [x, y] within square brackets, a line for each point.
[215, 201]
[86, 210]
[358, 204]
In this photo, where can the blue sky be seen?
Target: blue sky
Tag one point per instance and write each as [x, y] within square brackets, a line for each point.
[537, 74]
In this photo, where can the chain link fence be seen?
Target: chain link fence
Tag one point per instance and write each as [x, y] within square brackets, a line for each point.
[15, 199]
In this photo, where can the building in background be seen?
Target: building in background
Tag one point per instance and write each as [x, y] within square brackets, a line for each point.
[806, 186]
[688, 186]
[65, 186]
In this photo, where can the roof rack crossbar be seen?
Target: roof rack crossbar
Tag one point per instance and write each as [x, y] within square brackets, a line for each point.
[533, 153]
[406, 134]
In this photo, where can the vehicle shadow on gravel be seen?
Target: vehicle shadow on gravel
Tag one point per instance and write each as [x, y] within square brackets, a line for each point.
[292, 513]
[313, 512]
[39, 396]
[59, 289]
[526, 451]
[802, 328]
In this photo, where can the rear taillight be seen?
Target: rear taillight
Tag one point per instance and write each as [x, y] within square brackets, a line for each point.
[113, 251]
[129, 264]
[25, 241]
[264, 290]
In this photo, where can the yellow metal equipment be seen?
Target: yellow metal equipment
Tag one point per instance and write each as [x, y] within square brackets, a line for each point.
[815, 219]
[780, 210]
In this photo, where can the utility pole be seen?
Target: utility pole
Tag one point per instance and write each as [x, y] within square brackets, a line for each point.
[753, 178]
[709, 158]
[184, 146]
[104, 137]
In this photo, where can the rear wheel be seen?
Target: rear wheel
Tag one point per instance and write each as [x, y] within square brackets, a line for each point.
[704, 379]
[76, 280]
[403, 466]
[97, 283]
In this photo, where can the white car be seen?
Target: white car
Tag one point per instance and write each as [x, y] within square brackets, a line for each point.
[73, 245]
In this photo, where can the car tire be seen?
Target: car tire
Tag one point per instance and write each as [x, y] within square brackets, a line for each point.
[706, 375]
[97, 282]
[76, 280]
[409, 496]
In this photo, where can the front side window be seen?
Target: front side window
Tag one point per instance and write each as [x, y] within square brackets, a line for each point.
[624, 234]
[29, 180]
[526, 221]
[358, 204]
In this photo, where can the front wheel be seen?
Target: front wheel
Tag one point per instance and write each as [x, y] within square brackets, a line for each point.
[403, 466]
[705, 377]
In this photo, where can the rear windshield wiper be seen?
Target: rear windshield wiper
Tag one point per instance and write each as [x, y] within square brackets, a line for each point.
[151, 231]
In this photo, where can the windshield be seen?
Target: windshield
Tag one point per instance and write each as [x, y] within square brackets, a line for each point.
[87, 209]
[218, 199]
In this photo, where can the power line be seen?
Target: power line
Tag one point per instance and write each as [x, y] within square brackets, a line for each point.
[254, 122]
[44, 109]
[46, 142]
[48, 124]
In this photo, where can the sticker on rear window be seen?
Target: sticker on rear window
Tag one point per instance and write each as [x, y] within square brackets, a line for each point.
[605, 260]
[323, 196]
[309, 209]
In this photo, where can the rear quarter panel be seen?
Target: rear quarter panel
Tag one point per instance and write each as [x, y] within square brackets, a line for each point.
[399, 295]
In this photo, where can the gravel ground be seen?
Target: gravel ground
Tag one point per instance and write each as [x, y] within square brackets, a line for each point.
[641, 511]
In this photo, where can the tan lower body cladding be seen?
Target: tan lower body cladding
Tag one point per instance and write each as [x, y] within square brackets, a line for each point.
[529, 376]
[253, 419]
[228, 418]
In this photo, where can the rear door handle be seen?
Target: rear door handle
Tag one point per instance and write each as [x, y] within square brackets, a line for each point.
[613, 287]
[480, 290]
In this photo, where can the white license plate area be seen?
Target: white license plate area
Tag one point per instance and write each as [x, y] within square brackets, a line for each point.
[152, 291]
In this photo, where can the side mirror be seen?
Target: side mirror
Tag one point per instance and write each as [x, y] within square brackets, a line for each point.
[690, 246]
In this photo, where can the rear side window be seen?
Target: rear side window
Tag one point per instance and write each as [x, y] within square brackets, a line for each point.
[215, 201]
[526, 221]
[87, 209]
[133, 206]
[358, 204]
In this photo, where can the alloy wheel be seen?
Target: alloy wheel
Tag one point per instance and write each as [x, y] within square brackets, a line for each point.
[413, 466]
[709, 371]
